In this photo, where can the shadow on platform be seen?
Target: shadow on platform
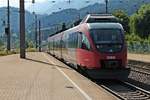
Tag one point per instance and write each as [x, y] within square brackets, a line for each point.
[38, 61]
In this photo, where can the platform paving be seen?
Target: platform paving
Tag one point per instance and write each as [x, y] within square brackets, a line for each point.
[39, 77]
[139, 57]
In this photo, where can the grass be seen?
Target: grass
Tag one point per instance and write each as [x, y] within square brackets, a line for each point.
[5, 52]
[31, 50]
[142, 53]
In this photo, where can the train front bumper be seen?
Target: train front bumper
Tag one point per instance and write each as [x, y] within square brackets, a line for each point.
[121, 74]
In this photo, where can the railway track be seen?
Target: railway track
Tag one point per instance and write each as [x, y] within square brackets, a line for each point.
[140, 74]
[139, 69]
[125, 91]
[138, 65]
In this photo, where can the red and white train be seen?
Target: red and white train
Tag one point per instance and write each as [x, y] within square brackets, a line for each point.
[98, 49]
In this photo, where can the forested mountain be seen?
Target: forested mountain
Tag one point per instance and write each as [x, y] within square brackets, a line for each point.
[67, 15]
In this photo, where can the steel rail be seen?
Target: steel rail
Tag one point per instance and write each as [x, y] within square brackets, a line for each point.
[127, 91]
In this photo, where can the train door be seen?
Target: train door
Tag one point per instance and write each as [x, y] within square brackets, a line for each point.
[84, 51]
[72, 41]
[61, 47]
[65, 49]
[53, 47]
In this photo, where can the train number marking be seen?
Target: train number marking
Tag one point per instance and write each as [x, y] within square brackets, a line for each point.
[111, 57]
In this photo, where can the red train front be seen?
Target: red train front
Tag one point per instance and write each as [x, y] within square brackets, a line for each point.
[103, 52]
[98, 49]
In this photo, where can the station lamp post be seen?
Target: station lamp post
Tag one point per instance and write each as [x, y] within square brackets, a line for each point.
[7, 29]
[33, 1]
[106, 1]
[22, 30]
[36, 26]
[39, 36]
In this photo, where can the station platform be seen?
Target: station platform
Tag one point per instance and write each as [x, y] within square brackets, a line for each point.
[42, 77]
[139, 57]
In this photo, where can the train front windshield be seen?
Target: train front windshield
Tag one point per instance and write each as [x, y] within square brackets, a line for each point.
[107, 40]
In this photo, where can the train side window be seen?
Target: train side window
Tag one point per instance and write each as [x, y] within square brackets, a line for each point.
[85, 43]
[79, 40]
[75, 35]
[70, 41]
[73, 40]
[65, 39]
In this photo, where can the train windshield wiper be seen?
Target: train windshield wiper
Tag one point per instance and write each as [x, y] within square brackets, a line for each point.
[107, 42]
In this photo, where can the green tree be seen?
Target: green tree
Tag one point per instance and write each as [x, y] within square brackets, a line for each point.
[29, 44]
[140, 22]
[1, 45]
[144, 21]
[123, 19]
[133, 23]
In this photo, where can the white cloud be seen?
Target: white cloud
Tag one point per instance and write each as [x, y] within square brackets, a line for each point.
[41, 0]
[15, 3]
[44, 6]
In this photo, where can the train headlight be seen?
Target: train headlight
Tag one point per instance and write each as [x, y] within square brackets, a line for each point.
[99, 46]
[120, 46]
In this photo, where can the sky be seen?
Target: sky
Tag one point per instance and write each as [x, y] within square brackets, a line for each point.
[47, 5]
[28, 4]
[15, 3]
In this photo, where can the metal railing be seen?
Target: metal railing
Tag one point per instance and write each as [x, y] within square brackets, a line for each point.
[138, 47]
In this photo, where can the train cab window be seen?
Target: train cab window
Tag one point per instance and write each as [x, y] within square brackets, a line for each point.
[85, 43]
[73, 40]
[107, 40]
